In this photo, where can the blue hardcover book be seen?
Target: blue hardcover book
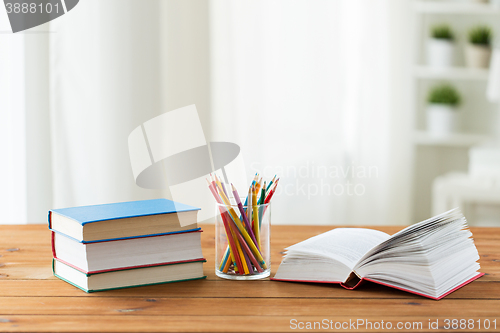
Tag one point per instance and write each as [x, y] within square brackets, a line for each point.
[123, 220]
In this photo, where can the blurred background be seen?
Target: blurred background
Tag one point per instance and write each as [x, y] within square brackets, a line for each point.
[372, 112]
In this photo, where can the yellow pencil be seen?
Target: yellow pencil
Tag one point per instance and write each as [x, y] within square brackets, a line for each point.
[240, 252]
[255, 223]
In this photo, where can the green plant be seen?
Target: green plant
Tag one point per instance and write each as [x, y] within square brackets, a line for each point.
[444, 94]
[480, 35]
[442, 31]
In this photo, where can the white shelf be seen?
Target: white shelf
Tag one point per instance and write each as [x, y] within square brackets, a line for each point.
[453, 73]
[450, 140]
[453, 7]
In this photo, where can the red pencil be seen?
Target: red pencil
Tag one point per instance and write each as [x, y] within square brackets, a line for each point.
[271, 192]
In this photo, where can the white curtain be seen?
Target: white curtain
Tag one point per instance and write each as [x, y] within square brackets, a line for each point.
[115, 65]
[305, 88]
[74, 89]
[13, 194]
[104, 83]
[26, 190]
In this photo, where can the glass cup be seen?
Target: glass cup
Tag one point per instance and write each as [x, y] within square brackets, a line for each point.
[242, 243]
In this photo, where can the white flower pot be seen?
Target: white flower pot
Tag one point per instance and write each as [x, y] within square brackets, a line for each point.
[441, 119]
[477, 56]
[440, 52]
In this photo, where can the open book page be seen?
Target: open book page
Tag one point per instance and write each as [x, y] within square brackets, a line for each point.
[403, 243]
[431, 257]
[346, 245]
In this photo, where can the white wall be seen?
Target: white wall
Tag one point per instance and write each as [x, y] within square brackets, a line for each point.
[293, 83]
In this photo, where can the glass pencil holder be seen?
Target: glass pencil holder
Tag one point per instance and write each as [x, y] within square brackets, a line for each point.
[243, 241]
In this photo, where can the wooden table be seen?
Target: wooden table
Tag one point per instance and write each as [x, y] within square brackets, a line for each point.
[31, 299]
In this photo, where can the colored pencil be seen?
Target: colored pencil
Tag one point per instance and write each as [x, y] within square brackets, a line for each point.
[253, 183]
[242, 230]
[255, 223]
[243, 215]
[270, 183]
[232, 245]
[235, 251]
[225, 262]
[248, 254]
[258, 185]
[262, 194]
[243, 252]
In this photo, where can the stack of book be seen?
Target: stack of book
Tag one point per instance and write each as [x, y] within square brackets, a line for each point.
[126, 244]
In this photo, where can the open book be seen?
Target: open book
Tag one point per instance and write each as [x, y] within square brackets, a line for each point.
[432, 258]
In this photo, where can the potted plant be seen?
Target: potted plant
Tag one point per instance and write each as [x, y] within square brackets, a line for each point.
[478, 49]
[442, 114]
[440, 46]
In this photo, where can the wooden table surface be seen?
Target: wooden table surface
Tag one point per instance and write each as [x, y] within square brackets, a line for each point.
[32, 299]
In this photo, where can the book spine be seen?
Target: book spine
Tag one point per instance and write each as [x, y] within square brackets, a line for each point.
[353, 281]
[53, 245]
[49, 218]
[354, 285]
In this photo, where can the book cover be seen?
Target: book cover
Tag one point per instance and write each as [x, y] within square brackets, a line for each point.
[362, 280]
[120, 210]
[128, 286]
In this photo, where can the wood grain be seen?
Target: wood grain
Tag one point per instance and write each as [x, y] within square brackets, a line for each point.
[158, 306]
[31, 299]
[480, 289]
